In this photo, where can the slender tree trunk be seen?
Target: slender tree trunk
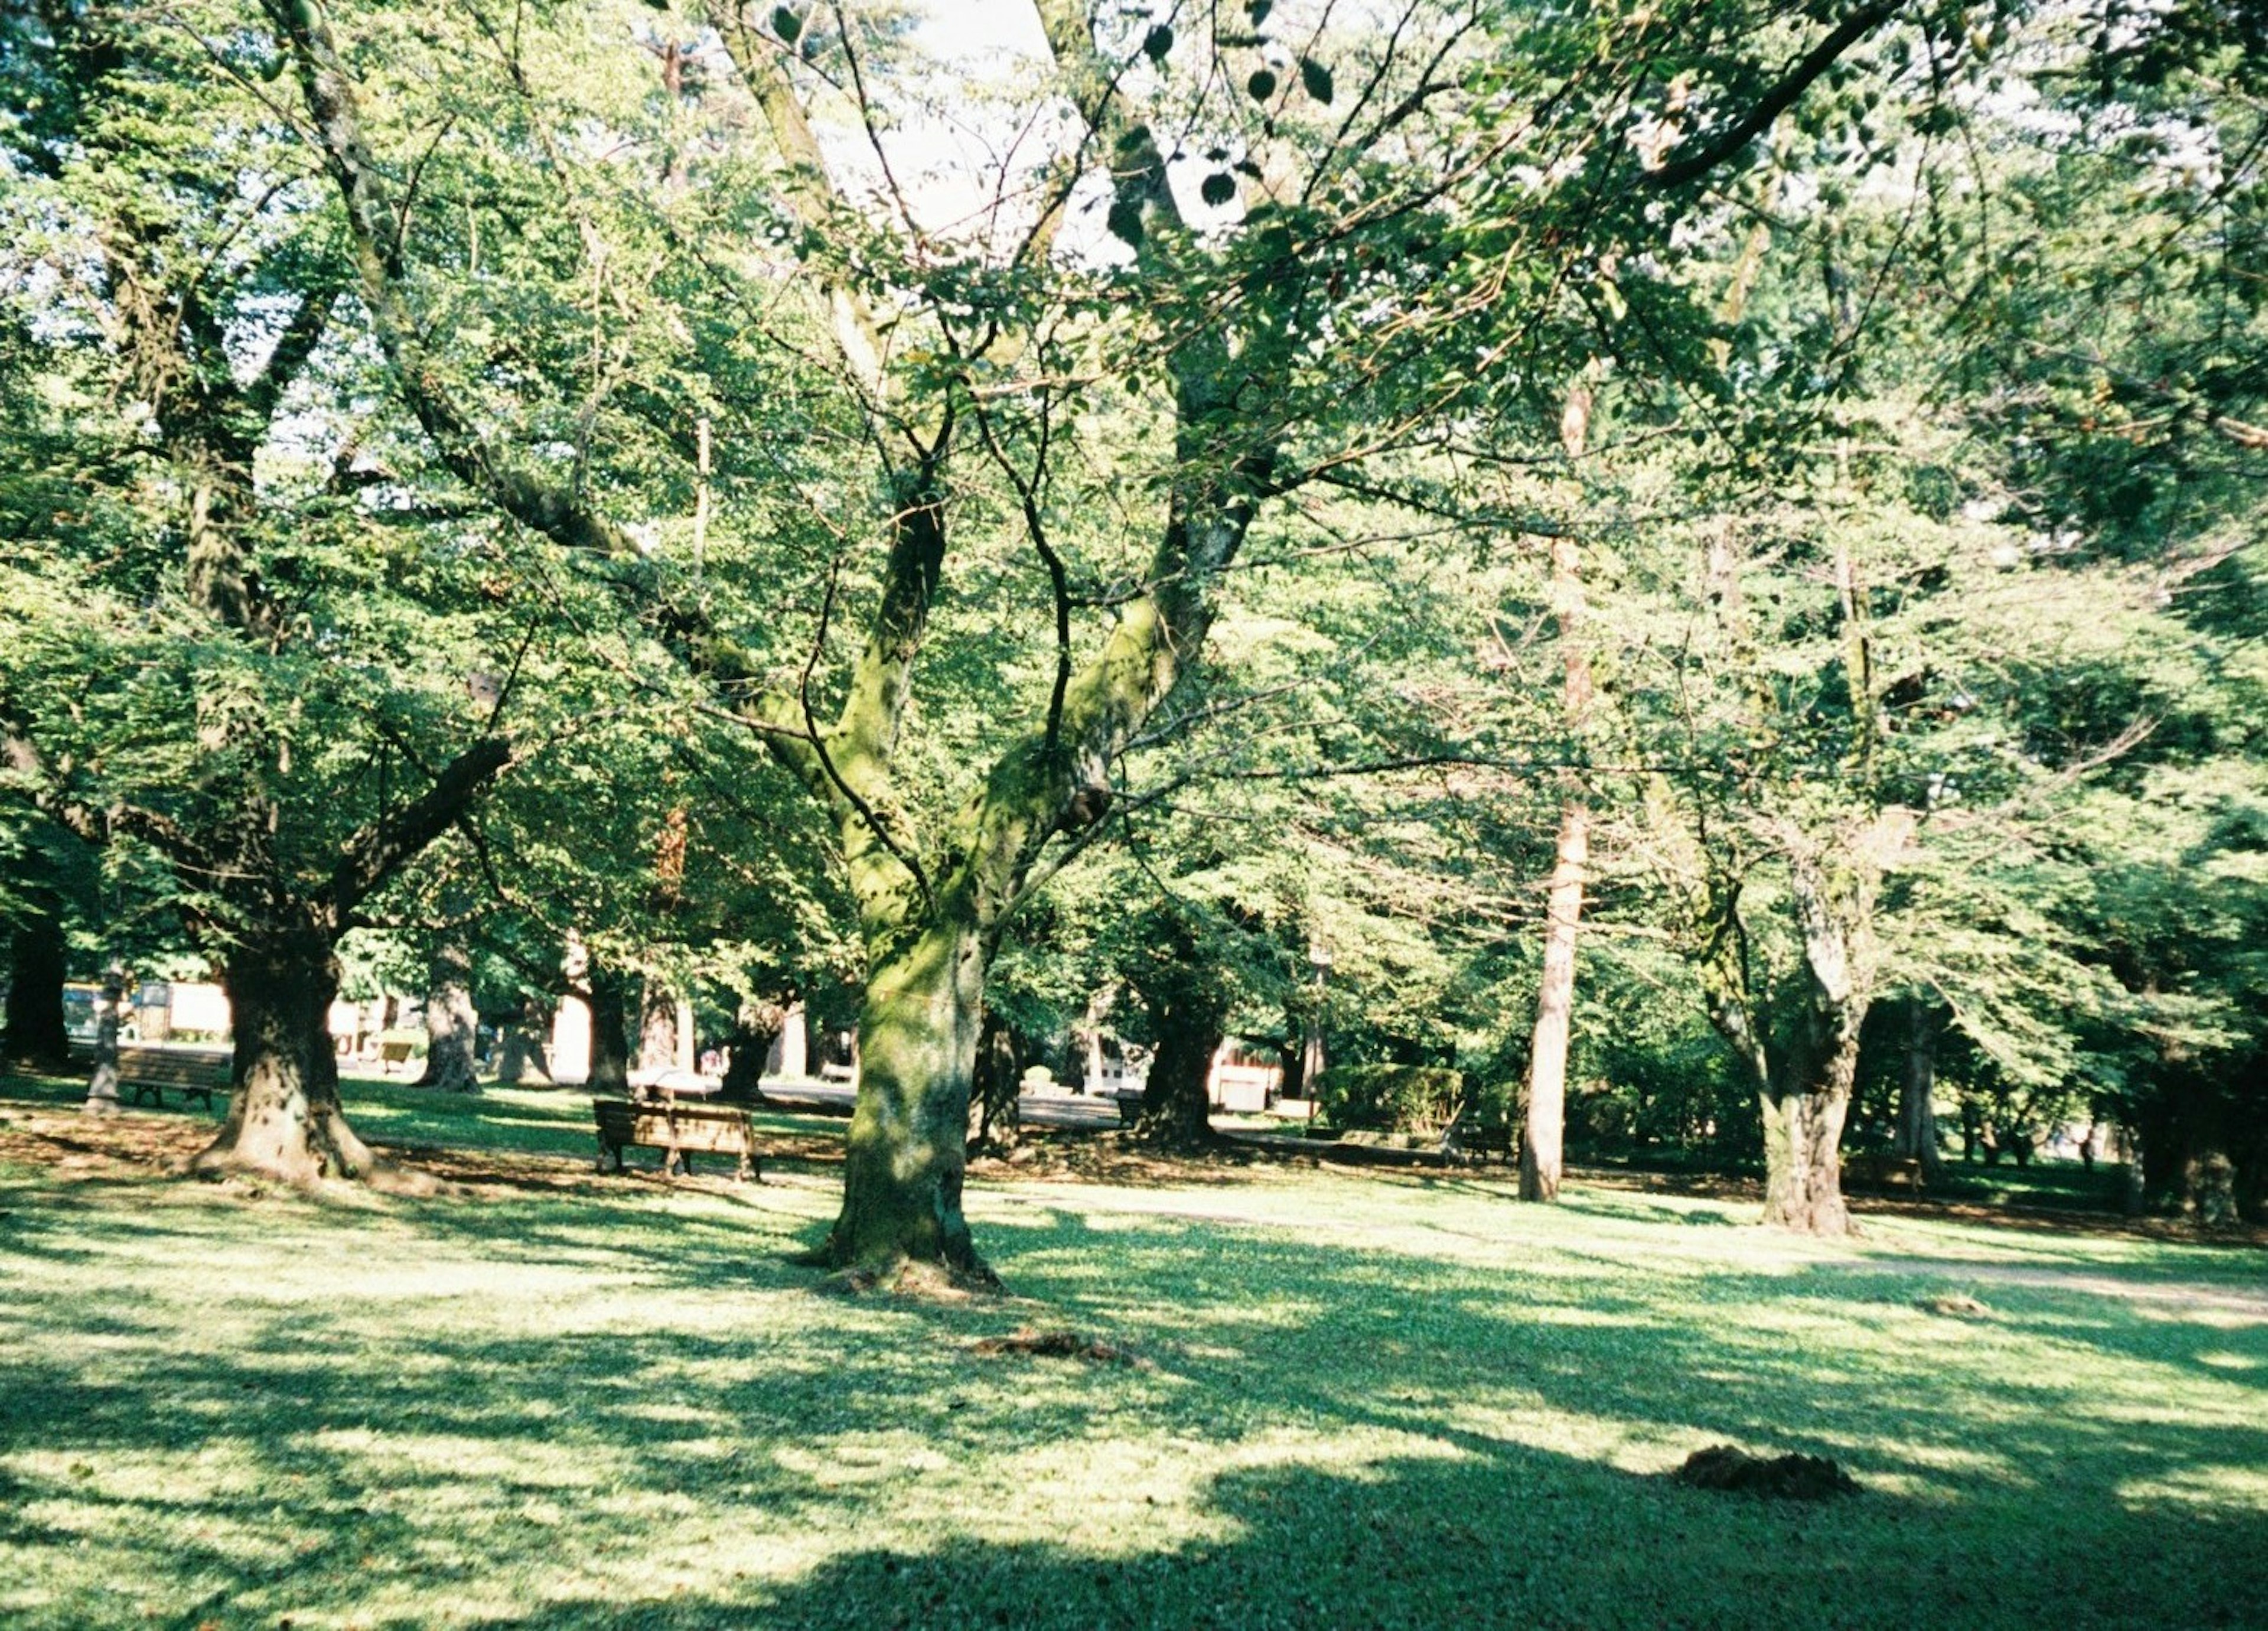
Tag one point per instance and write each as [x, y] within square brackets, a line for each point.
[285, 1119]
[103, 1086]
[1917, 1129]
[37, 965]
[1546, 1119]
[1176, 1104]
[906, 1153]
[452, 1026]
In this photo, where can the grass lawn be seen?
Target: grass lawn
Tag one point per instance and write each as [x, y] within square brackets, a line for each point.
[554, 1401]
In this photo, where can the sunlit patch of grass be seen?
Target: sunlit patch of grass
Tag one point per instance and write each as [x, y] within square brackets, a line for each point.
[1362, 1401]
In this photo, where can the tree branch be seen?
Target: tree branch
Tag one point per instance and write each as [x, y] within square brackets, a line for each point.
[1715, 150]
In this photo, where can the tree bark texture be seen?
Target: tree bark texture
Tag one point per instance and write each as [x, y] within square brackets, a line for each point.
[906, 1152]
[37, 965]
[452, 1026]
[285, 1119]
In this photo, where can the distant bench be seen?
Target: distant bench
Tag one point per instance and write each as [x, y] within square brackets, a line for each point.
[1481, 1139]
[147, 1073]
[677, 1129]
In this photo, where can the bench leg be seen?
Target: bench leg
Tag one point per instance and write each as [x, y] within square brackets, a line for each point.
[748, 1168]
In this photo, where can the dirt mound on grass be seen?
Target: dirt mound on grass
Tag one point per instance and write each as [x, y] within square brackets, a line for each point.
[1059, 1345]
[1786, 1478]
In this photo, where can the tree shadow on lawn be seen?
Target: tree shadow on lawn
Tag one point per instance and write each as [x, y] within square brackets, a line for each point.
[1511, 1536]
[650, 1386]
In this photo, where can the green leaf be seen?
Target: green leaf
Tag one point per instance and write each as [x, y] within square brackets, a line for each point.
[787, 24]
[1218, 188]
[1262, 85]
[1316, 79]
[1157, 42]
[1258, 9]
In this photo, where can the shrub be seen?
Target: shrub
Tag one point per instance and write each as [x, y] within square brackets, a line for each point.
[1390, 1098]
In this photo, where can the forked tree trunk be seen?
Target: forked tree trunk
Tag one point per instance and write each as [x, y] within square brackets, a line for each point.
[38, 964]
[285, 1120]
[452, 1026]
[1805, 1100]
[1803, 1163]
[907, 1154]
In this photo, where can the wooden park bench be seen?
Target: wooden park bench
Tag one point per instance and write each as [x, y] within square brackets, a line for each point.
[1129, 1105]
[1878, 1169]
[677, 1129]
[398, 1052]
[1484, 1139]
[147, 1073]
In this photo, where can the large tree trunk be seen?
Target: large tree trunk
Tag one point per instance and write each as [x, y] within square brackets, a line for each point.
[1917, 1128]
[610, 1041]
[758, 1024]
[1803, 1164]
[38, 964]
[908, 1147]
[1176, 1101]
[452, 1026]
[285, 1120]
[1546, 1119]
[1805, 1100]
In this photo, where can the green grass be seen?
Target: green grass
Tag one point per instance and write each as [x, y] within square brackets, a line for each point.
[1398, 1400]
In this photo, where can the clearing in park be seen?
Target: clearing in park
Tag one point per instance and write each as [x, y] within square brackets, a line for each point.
[1215, 1392]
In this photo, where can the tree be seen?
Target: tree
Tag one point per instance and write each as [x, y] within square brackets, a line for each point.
[222, 594]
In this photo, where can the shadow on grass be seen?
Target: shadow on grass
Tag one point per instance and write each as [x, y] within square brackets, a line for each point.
[644, 1418]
